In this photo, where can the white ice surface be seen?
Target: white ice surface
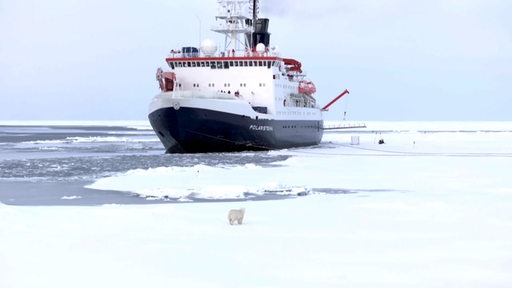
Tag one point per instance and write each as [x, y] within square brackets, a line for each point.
[447, 224]
[411, 155]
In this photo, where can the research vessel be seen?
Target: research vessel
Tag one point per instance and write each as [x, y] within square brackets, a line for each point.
[243, 96]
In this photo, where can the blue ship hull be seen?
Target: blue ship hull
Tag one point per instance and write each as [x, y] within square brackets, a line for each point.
[195, 130]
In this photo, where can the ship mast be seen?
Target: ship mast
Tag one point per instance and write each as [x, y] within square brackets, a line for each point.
[241, 26]
[235, 23]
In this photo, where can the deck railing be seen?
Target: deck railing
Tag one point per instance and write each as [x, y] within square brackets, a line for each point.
[336, 126]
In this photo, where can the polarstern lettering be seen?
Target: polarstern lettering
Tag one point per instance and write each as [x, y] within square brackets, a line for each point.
[261, 128]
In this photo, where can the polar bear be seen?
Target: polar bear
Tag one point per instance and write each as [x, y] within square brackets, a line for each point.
[236, 215]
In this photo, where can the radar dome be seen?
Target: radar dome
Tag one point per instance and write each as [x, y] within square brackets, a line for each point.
[260, 48]
[208, 47]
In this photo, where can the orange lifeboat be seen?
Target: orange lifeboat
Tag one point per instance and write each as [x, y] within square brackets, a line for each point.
[307, 87]
[166, 80]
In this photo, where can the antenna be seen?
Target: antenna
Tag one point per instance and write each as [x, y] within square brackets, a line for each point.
[254, 14]
[200, 27]
[236, 23]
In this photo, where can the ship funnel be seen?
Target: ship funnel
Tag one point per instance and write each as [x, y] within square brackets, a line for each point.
[261, 25]
[260, 34]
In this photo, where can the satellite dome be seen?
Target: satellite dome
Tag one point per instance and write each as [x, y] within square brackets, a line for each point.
[208, 47]
[260, 48]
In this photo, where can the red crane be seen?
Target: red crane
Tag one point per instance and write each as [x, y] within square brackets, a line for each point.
[334, 100]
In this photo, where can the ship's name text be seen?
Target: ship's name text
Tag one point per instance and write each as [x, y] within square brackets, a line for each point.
[261, 128]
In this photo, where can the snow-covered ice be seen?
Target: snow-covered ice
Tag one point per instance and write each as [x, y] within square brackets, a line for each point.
[442, 217]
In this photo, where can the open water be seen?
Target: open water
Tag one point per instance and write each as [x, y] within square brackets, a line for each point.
[51, 164]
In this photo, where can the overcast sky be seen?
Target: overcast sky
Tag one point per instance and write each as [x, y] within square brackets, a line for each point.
[400, 59]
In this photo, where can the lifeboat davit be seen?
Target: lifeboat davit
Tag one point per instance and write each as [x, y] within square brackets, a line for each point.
[307, 87]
